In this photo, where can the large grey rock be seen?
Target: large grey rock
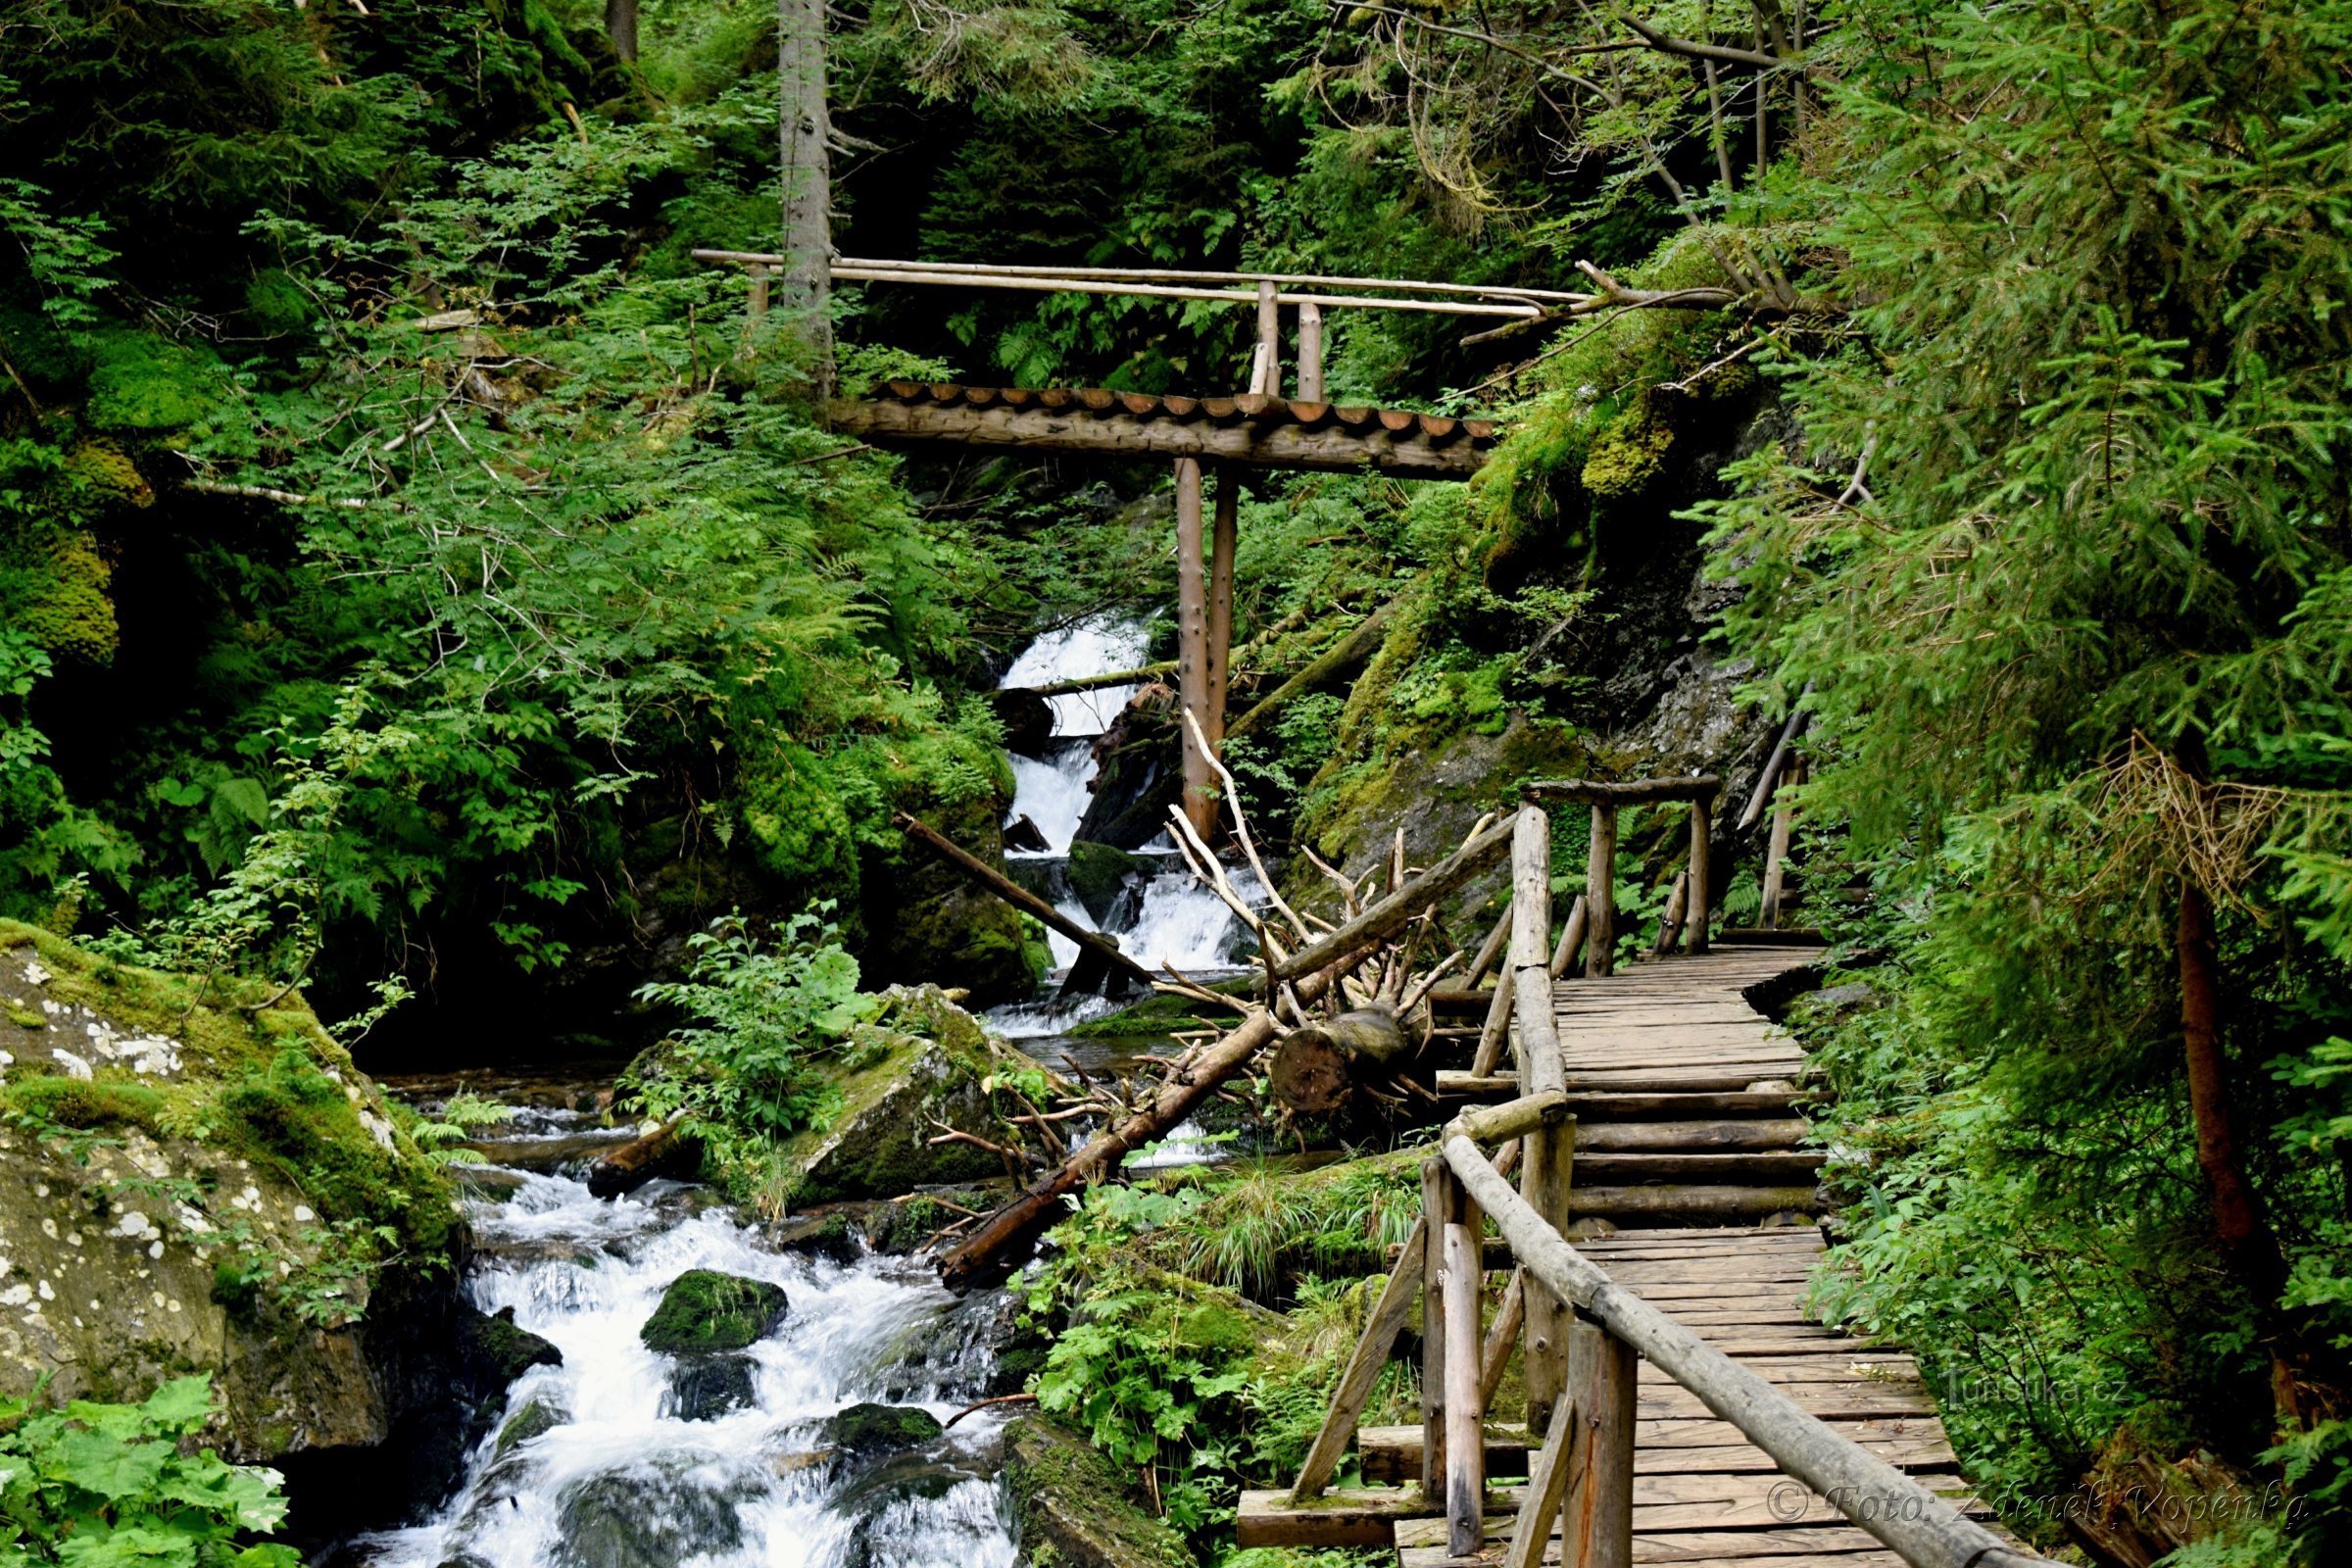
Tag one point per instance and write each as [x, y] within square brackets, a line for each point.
[644, 1520]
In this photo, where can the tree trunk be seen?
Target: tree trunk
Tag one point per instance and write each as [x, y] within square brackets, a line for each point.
[807, 130]
[620, 27]
[1316, 1069]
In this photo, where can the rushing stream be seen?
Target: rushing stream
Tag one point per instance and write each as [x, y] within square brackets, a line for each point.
[622, 1458]
[625, 1475]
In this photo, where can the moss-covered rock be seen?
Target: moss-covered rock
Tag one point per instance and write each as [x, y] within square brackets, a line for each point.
[186, 1185]
[928, 1072]
[867, 1431]
[707, 1311]
[705, 1388]
[1075, 1509]
[536, 1418]
[1099, 872]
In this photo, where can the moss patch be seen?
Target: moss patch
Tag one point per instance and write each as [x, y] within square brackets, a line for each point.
[865, 1430]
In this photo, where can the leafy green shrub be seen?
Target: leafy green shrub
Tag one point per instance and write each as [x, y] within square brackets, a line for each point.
[738, 1077]
[94, 1486]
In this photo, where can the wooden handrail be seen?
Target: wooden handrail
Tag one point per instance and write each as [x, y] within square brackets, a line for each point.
[1628, 792]
[1924, 1530]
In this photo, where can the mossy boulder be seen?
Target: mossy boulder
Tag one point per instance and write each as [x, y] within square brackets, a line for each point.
[928, 1070]
[628, 1519]
[1099, 873]
[705, 1388]
[186, 1184]
[704, 1311]
[867, 1431]
[535, 1419]
[1076, 1509]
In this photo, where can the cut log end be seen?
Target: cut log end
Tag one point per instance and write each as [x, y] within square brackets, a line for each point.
[1318, 1068]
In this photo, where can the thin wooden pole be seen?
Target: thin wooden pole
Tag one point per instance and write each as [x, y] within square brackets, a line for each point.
[1191, 647]
[1694, 918]
[1600, 894]
[1363, 1368]
[1572, 938]
[1224, 533]
[1489, 950]
[1776, 854]
[1311, 352]
[1465, 1412]
[1494, 1356]
[1547, 1479]
[759, 278]
[1497, 1028]
[1266, 376]
[1437, 1206]
[1670, 921]
[1596, 1529]
[1545, 1181]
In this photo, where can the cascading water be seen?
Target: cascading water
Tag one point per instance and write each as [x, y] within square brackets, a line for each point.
[1051, 791]
[611, 1472]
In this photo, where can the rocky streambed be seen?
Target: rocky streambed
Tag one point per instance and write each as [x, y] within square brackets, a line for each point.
[720, 1392]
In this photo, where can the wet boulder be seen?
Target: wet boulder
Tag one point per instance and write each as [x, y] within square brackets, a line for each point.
[880, 1517]
[705, 1388]
[871, 1431]
[707, 1311]
[536, 1418]
[1074, 1508]
[635, 1520]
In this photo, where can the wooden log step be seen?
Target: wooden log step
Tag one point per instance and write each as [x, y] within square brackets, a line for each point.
[1622, 1203]
[1688, 1136]
[1822, 1547]
[1755, 1167]
[1823, 1399]
[1392, 1456]
[1674, 1503]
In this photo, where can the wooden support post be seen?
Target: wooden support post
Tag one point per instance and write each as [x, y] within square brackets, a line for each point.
[1465, 1412]
[1776, 854]
[1488, 951]
[1497, 1028]
[757, 273]
[1191, 647]
[1311, 352]
[1545, 1181]
[1544, 1172]
[1437, 1191]
[1265, 371]
[1224, 532]
[1600, 894]
[1572, 938]
[1701, 903]
[1596, 1528]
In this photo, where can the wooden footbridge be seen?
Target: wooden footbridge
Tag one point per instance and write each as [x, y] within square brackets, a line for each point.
[1681, 1406]
[1259, 429]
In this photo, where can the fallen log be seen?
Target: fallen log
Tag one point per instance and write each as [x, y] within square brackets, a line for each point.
[988, 1252]
[1137, 676]
[1317, 1068]
[663, 1151]
[1351, 651]
[1020, 898]
[1408, 901]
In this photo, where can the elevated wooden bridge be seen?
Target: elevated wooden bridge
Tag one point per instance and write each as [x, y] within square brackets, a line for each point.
[1681, 1405]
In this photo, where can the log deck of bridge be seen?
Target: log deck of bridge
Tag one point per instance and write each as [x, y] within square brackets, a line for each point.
[1254, 431]
[1671, 1065]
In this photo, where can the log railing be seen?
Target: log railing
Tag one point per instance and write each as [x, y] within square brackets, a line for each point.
[1584, 1336]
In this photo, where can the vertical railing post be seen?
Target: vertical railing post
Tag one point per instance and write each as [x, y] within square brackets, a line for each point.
[1463, 1288]
[1436, 1191]
[1600, 894]
[1265, 369]
[1311, 352]
[1572, 938]
[1547, 1153]
[1596, 1524]
[1694, 915]
[758, 276]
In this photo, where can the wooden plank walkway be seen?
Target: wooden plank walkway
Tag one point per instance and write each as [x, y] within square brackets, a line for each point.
[1688, 1136]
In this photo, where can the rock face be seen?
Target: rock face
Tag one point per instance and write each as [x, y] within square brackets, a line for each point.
[706, 1311]
[1075, 1511]
[189, 1184]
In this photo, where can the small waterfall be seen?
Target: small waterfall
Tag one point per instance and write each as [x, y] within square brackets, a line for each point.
[1052, 791]
[610, 1473]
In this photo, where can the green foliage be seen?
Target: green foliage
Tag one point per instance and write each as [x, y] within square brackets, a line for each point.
[765, 1013]
[108, 1486]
